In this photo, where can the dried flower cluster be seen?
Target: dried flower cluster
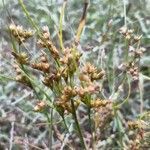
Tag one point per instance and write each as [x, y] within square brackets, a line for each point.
[133, 70]
[89, 89]
[22, 58]
[58, 76]
[20, 34]
[139, 132]
[64, 102]
[100, 103]
[127, 33]
[90, 73]
[21, 77]
[45, 42]
[102, 117]
[43, 65]
[134, 51]
[133, 125]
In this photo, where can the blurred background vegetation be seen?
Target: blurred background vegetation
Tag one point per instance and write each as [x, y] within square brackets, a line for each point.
[97, 40]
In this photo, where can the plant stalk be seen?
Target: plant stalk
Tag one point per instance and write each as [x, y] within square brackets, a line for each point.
[77, 124]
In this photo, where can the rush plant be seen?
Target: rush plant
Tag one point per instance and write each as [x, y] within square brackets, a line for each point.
[64, 84]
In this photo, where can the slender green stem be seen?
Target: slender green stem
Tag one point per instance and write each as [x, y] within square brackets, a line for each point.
[65, 124]
[118, 120]
[28, 15]
[61, 24]
[77, 124]
[90, 124]
[36, 85]
[50, 119]
[51, 128]
[126, 99]
[89, 117]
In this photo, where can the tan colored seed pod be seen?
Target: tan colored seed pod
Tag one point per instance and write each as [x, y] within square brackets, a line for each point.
[40, 106]
[41, 66]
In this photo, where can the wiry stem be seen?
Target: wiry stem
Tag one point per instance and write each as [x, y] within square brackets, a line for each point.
[28, 16]
[77, 124]
[126, 99]
[90, 124]
[49, 120]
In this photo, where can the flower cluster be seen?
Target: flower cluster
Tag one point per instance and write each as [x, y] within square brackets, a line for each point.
[100, 103]
[46, 42]
[133, 70]
[90, 73]
[21, 58]
[43, 64]
[134, 52]
[20, 77]
[139, 132]
[20, 34]
[103, 113]
[127, 33]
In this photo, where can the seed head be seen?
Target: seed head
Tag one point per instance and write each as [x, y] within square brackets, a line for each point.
[19, 33]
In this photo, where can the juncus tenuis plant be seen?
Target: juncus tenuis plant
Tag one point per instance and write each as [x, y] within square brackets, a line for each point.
[76, 84]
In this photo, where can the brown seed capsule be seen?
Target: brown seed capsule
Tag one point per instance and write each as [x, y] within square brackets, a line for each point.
[41, 66]
[43, 59]
[40, 106]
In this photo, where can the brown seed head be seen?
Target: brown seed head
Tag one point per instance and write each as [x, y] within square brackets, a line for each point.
[19, 33]
[99, 103]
